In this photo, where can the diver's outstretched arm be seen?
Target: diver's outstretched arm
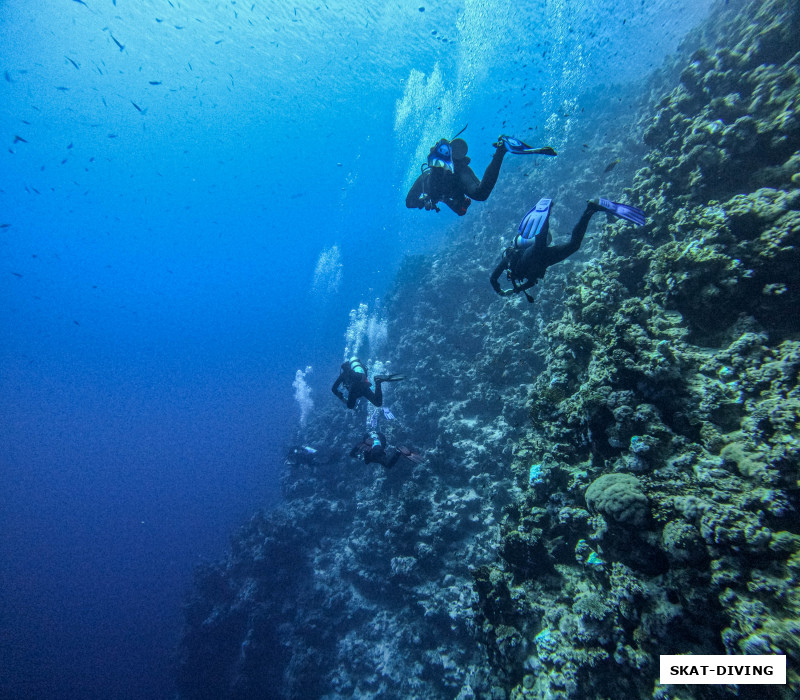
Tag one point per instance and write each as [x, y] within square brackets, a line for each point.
[415, 198]
[335, 388]
[493, 280]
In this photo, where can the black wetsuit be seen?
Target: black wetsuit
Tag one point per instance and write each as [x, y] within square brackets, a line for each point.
[526, 266]
[455, 189]
[373, 449]
[357, 385]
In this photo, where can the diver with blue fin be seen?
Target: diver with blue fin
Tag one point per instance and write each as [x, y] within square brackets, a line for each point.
[447, 177]
[526, 262]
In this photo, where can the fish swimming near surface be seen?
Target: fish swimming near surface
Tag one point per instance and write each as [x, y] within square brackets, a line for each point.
[121, 47]
[17, 139]
[611, 166]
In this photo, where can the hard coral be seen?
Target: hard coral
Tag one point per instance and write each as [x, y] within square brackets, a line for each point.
[620, 498]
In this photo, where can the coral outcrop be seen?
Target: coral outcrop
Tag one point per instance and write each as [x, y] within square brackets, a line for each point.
[611, 472]
[619, 497]
[671, 352]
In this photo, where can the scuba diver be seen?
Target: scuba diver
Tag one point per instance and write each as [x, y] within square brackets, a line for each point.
[354, 377]
[301, 454]
[373, 449]
[447, 177]
[528, 259]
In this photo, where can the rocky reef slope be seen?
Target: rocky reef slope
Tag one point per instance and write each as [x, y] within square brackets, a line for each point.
[611, 472]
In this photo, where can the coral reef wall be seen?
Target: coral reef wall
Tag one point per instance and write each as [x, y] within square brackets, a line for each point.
[611, 472]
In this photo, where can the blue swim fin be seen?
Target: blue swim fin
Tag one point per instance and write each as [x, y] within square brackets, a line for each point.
[623, 211]
[513, 145]
[535, 222]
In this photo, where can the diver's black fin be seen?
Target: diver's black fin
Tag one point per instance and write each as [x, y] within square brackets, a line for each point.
[410, 455]
[390, 377]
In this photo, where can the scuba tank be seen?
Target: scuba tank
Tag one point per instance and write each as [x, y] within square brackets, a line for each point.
[357, 373]
[376, 440]
[355, 365]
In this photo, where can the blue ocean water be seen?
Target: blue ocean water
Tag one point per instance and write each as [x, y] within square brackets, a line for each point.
[193, 196]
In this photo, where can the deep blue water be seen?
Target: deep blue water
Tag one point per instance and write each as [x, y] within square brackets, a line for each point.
[164, 208]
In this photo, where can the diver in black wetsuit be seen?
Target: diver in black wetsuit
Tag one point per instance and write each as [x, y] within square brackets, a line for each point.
[449, 178]
[373, 449]
[301, 454]
[528, 259]
[354, 378]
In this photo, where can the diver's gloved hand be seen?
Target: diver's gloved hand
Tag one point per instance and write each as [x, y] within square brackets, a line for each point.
[593, 205]
[499, 145]
[429, 204]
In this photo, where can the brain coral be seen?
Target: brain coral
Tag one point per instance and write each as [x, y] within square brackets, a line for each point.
[618, 497]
